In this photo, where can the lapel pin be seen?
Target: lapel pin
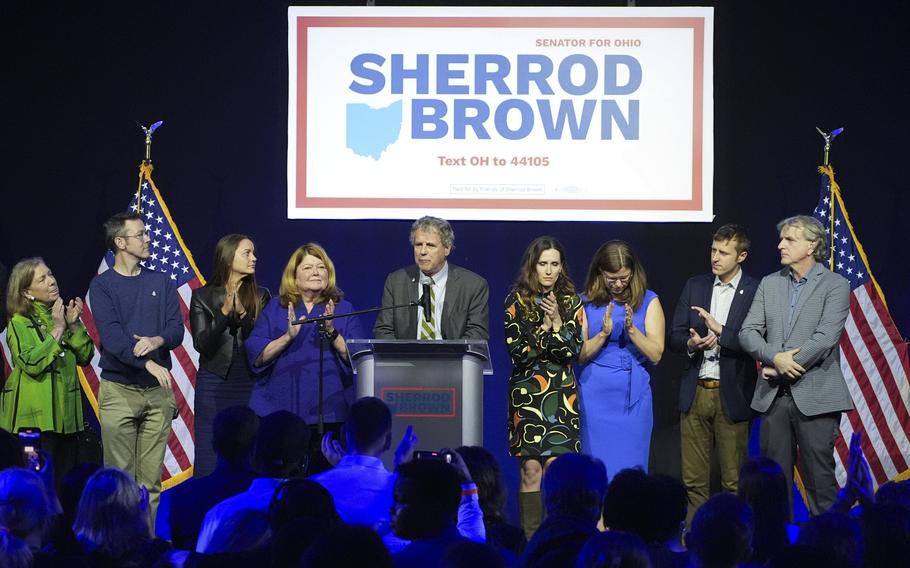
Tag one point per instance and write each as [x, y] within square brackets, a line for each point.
[740, 291]
[154, 293]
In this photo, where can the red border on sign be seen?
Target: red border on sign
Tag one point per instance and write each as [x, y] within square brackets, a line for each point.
[697, 25]
[382, 392]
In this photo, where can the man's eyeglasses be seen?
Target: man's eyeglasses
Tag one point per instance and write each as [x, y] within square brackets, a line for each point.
[140, 236]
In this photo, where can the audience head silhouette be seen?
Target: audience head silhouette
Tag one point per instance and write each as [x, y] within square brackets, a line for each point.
[763, 486]
[721, 534]
[368, 429]
[613, 549]
[574, 485]
[234, 433]
[281, 445]
[426, 498]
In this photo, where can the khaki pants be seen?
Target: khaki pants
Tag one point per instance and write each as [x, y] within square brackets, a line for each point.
[702, 429]
[135, 423]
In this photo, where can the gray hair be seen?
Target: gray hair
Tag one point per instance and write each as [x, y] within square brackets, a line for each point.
[440, 226]
[813, 231]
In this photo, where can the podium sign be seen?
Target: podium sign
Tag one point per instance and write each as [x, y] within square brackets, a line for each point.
[436, 386]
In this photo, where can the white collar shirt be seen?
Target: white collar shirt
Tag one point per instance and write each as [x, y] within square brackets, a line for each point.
[721, 299]
[256, 498]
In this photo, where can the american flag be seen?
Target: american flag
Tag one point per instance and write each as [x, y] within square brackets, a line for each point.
[873, 353]
[170, 255]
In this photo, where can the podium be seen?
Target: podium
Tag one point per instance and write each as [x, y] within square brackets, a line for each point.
[436, 386]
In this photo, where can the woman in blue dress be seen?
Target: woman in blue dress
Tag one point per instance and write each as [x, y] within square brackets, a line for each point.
[624, 329]
[287, 355]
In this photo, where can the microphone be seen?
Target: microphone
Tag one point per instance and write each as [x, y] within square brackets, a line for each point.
[424, 302]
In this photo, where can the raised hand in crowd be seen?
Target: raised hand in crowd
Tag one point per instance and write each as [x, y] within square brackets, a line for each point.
[458, 463]
[331, 449]
[405, 450]
[859, 486]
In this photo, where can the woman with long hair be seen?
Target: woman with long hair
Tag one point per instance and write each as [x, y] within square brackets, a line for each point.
[543, 333]
[112, 522]
[47, 340]
[222, 314]
[491, 491]
[624, 330]
[288, 354]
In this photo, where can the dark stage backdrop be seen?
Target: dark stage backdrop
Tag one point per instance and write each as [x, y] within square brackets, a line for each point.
[77, 75]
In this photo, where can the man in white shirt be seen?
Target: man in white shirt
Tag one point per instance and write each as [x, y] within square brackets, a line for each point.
[720, 377]
[362, 486]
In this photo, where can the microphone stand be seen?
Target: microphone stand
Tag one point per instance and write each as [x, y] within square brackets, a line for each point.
[323, 335]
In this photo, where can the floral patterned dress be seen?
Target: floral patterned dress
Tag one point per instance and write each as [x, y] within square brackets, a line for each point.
[543, 395]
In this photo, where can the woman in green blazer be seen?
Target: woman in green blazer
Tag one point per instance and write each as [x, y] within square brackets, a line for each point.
[46, 340]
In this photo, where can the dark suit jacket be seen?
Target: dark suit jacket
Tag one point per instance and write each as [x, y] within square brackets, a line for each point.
[817, 324]
[465, 313]
[737, 369]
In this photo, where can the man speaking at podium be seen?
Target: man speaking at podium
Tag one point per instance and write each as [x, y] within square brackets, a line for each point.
[451, 302]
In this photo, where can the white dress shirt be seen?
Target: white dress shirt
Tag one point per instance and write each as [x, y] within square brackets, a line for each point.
[257, 498]
[721, 299]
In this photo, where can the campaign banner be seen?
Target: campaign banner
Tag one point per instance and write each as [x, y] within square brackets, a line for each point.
[589, 114]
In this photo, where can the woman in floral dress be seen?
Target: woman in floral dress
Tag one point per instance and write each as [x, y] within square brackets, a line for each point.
[543, 333]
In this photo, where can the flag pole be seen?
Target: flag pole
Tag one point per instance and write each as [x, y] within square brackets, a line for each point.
[828, 138]
[146, 165]
[826, 168]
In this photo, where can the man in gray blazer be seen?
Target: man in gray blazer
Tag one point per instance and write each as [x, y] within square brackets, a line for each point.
[454, 301]
[793, 329]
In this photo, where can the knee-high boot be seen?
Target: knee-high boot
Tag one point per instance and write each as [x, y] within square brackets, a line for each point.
[530, 511]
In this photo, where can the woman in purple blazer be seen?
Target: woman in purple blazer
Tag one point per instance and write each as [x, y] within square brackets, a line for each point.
[288, 355]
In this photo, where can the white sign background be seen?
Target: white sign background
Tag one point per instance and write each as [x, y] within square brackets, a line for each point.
[664, 175]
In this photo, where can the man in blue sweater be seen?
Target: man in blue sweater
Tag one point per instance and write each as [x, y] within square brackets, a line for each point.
[137, 313]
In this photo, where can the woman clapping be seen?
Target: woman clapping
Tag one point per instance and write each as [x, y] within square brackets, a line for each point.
[222, 314]
[47, 340]
[288, 354]
[543, 334]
